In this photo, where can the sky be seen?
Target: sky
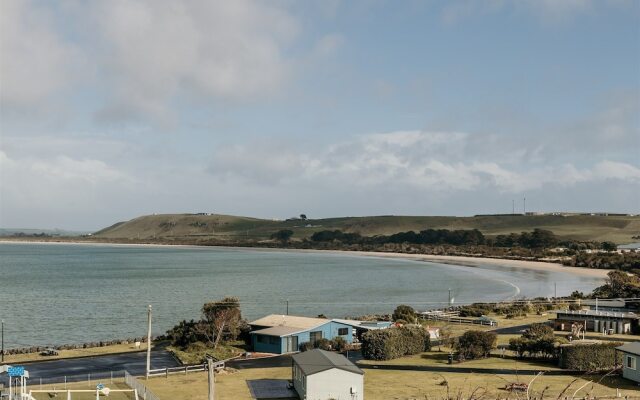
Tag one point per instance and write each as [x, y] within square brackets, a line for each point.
[114, 109]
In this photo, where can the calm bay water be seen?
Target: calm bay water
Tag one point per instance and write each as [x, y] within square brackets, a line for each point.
[65, 293]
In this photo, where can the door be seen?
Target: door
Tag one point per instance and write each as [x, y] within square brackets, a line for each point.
[292, 344]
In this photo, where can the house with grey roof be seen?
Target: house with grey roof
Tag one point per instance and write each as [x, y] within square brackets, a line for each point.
[286, 333]
[630, 360]
[323, 375]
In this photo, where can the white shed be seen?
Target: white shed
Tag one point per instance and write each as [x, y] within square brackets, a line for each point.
[323, 375]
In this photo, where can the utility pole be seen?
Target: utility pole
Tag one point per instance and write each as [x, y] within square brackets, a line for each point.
[524, 206]
[513, 206]
[449, 304]
[287, 306]
[148, 341]
[3, 341]
[555, 290]
[211, 376]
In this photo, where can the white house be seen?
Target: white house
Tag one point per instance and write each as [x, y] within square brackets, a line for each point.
[323, 375]
[630, 360]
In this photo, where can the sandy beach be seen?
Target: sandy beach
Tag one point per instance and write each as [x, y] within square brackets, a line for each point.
[454, 260]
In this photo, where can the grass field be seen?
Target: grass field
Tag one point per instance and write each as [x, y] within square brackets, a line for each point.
[619, 229]
[385, 385]
[92, 351]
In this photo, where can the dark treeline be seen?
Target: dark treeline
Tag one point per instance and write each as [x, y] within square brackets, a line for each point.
[538, 238]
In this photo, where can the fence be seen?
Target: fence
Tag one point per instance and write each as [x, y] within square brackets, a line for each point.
[454, 318]
[63, 380]
[140, 388]
[185, 369]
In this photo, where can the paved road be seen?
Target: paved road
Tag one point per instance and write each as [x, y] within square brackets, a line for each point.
[511, 329]
[99, 366]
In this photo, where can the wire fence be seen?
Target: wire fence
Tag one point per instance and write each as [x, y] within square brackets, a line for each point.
[141, 389]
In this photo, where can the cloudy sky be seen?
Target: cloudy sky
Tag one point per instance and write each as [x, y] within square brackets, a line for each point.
[113, 109]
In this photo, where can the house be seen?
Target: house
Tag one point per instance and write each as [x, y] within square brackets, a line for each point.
[630, 360]
[606, 322]
[360, 327]
[612, 305]
[323, 375]
[285, 333]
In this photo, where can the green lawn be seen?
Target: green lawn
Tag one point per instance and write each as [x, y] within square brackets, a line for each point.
[398, 385]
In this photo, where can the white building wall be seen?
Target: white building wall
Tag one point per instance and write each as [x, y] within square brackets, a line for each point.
[335, 384]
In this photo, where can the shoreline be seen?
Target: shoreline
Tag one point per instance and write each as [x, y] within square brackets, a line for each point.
[466, 261]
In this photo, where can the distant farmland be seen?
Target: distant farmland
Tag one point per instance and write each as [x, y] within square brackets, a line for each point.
[619, 229]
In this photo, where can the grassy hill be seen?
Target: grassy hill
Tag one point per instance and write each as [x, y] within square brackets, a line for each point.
[619, 229]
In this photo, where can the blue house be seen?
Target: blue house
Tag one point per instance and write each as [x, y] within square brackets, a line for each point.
[285, 333]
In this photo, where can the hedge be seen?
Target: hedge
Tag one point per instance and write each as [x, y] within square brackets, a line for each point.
[387, 344]
[590, 357]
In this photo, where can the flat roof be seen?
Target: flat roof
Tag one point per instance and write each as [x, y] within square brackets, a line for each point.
[289, 320]
[278, 331]
[633, 348]
[594, 313]
[364, 324]
[314, 361]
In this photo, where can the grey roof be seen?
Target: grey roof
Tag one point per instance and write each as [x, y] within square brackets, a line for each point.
[278, 331]
[633, 348]
[594, 313]
[314, 361]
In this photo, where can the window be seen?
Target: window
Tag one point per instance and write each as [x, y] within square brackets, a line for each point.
[274, 340]
[315, 336]
[631, 362]
[343, 331]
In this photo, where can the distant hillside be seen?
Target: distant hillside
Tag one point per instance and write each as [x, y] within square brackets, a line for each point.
[32, 232]
[619, 229]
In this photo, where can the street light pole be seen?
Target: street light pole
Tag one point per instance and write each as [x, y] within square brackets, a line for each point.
[148, 342]
[3, 341]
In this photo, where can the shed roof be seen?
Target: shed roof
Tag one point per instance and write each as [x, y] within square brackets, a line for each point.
[595, 314]
[633, 348]
[314, 361]
[278, 331]
[290, 321]
[368, 325]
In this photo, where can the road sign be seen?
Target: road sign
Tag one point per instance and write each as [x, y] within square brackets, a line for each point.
[15, 371]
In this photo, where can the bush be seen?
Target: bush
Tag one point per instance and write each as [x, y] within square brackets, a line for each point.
[324, 344]
[306, 346]
[339, 344]
[475, 344]
[387, 344]
[404, 313]
[590, 357]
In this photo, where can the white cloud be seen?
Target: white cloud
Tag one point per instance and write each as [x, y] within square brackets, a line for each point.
[432, 161]
[35, 61]
[154, 50]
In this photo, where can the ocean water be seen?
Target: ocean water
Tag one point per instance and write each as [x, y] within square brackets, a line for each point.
[66, 293]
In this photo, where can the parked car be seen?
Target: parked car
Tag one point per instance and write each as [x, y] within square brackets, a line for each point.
[49, 352]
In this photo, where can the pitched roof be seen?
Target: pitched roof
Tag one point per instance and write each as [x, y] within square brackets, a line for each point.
[367, 325]
[290, 321]
[314, 361]
[632, 348]
[278, 331]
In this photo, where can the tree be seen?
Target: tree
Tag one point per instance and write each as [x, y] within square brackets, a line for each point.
[475, 344]
[303, 217]
[619, 284]
[404, 313]
[220, 317]
[609, 246]
[282, 235]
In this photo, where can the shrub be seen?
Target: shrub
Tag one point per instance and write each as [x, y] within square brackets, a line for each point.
[404, 313]
[339, 344]
[590, 357]
[475, 344]
[306, 346]
[324, 344]
[387, 344]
